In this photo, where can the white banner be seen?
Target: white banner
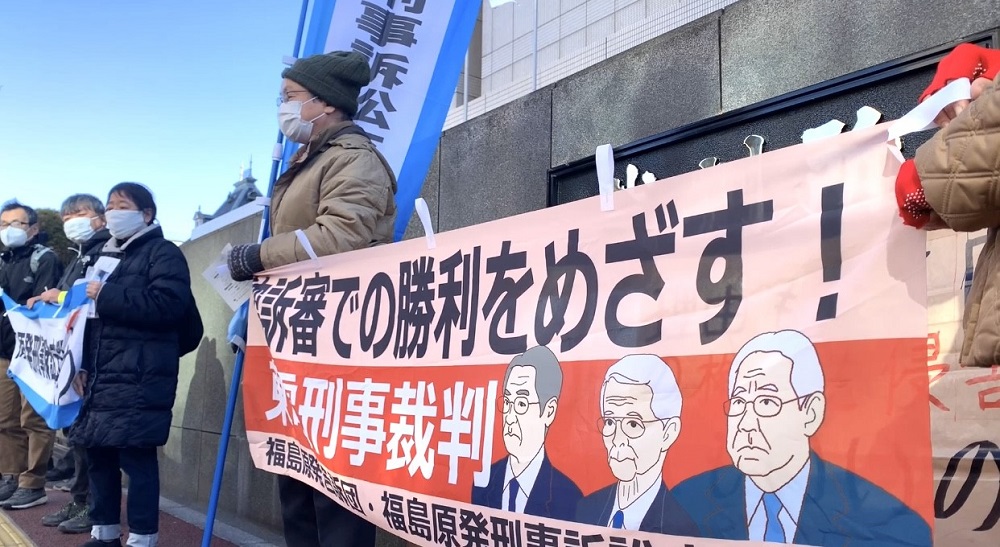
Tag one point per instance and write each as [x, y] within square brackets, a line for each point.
[48, 355]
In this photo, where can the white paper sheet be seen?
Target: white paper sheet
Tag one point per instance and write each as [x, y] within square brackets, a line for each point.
[235, 293]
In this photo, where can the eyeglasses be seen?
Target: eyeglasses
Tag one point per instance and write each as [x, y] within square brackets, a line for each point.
[520, 405]
[633, 428]
[765, 406]
[284, 98]
[14, 224]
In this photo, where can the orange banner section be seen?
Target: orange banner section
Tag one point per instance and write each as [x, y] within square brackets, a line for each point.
[876, 423]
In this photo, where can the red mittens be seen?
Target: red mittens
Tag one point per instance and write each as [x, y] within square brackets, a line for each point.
[965, 61]
[913, 206]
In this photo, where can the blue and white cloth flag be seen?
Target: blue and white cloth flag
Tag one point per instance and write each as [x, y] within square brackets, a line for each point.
[416, 49]
[48, 354]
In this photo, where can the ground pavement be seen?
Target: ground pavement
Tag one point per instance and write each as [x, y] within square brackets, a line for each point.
[24, 528]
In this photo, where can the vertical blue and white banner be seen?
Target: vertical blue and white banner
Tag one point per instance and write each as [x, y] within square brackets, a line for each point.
[416, 49]
[48, 354]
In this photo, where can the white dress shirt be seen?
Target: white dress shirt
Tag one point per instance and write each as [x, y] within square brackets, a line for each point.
[790, 495]
[525, 482]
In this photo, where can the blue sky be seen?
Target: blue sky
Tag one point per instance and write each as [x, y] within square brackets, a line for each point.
[175, 95]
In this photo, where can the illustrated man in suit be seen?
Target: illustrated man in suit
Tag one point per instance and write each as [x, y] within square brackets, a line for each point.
[778, 490]
[525, 481]
[640, 420]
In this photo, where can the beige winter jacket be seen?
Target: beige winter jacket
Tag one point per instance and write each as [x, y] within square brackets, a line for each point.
[959, 169]
[339, 191]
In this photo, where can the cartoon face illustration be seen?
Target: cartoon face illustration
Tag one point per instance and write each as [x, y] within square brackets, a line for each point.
[526, 480]
[775, 405]
[778, 490]
[529, 401]
[640, 415]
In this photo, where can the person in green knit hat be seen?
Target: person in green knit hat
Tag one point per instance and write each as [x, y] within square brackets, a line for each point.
[339, 191]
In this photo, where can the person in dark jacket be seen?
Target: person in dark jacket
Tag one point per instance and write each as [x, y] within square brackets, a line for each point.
[27, 268]
[84, 225]
[131, 362]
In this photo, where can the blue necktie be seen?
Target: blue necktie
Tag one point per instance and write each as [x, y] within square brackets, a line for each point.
[773, 531]
[618, 521]
[512, 496]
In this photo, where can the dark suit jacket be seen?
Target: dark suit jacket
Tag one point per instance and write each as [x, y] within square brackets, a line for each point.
[553, 494]
[839, 509]
[665, 515]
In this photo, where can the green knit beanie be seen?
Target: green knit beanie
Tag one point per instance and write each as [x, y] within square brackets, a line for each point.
[336, 77]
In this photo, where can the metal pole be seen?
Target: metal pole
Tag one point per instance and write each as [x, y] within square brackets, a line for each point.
[276, 163]
[534, 54]
[234, 387]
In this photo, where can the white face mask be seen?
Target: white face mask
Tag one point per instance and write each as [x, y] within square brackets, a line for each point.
[124, 224]
[78, 229]
[291, 123]
[13, 237]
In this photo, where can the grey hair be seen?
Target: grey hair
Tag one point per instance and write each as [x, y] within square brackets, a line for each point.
[76, 202]
[654, 372]
[548, 373]
[807, 373]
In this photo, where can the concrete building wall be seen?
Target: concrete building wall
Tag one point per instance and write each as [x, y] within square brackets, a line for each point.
[751, 51]
[568, 35]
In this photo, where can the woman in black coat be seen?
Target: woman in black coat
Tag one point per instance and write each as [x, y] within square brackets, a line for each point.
[144, 317]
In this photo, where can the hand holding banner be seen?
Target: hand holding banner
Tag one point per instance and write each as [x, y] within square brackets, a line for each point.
[48, 354]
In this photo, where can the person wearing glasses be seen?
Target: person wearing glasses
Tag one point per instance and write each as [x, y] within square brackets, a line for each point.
[639, 421]
[337, 195]
[778, 490]
[27, 268]
[338, 192]
[525, 481]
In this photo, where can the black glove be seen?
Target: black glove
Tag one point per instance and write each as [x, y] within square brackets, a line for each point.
[244, 262]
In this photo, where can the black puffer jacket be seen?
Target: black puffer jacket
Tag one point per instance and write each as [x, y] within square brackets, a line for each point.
[21, 283]
[133, 352]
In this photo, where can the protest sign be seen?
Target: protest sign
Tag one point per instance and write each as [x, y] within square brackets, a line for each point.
[48, 354]
[737, 353]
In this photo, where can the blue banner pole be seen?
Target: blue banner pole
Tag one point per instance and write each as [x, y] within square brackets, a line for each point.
[265, 225]
[234, 387]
